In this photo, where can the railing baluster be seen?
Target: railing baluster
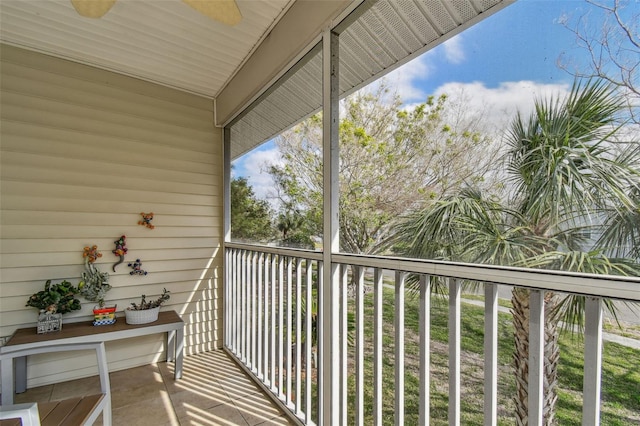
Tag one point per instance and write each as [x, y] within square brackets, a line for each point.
[243, 301]
[252, 312]
[490, 354]
[344, 393]
[399, 353]
[236, 302]
[454, 352]
[592, 361]
[536, 357]
[280, 324]
[289, 368]
[359, 346]
[425, 339]
[259, 356]
[308, 366]
[228, 297]
[272, 331]
[378, 288]
[323, 311]
[265, 320]
[298, 394]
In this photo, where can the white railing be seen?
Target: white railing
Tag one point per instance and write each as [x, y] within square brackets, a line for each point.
[271, 295]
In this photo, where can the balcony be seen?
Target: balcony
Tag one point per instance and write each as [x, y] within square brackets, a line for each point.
[387, 367]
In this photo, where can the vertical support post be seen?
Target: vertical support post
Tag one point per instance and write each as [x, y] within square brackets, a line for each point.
[425, 339]
[454, 352]
[226, 220]
[592, 361]
[490, 354]
[329, 294]
[536, 357]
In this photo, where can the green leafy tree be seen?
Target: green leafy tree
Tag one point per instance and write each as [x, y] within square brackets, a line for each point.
[573, 206]
[392, 159]
[294, 232]
[250, 216]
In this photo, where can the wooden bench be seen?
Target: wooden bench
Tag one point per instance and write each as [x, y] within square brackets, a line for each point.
[72, 412]
[79, 332]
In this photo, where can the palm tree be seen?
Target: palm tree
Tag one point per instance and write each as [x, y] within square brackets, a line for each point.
[571, 179]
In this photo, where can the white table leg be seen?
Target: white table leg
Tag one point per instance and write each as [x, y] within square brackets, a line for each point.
[6, 373]
[171, 345]
[179, 353]
[20, 366]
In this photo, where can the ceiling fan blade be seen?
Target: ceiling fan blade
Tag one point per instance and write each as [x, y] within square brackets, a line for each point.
[225, 11]
[92, 8]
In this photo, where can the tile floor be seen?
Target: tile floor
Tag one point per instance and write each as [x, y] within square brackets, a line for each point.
[213, 391]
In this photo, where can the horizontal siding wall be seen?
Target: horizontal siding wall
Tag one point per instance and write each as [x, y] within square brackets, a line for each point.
[82, 152]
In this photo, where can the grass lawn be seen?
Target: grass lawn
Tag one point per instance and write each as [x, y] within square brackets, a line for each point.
[620, 376]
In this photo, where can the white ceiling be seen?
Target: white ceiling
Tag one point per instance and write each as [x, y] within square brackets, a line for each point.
[164, 41]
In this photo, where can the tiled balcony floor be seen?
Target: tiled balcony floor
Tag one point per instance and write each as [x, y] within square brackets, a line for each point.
[213, 391]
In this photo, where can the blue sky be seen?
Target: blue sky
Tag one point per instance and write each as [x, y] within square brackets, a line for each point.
[501, 64]
[521, 42]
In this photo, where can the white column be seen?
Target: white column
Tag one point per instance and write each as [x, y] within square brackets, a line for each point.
[329, 294]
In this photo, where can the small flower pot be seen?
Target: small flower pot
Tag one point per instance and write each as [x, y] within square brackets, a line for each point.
[144, 316]
[48, 323]
[105, 315]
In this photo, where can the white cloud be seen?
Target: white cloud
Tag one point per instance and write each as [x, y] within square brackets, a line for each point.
[406, 79]
[453, 50]
[254, 167]
[499, 104]
[403, 79]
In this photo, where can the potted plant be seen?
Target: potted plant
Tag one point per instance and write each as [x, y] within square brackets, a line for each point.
[145, 311]
[94, 286]
[52, 302]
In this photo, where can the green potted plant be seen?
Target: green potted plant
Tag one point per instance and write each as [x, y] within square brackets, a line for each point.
[94, 286]
[52, 302]
[145, 311]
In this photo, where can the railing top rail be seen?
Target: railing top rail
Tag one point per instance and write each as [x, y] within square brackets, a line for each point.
[610, 286]
[283, 251]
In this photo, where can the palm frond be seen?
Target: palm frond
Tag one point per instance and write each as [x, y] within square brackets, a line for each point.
[562, 159]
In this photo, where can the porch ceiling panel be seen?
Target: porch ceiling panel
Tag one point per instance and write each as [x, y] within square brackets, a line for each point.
[380, 37]
[166, 41]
